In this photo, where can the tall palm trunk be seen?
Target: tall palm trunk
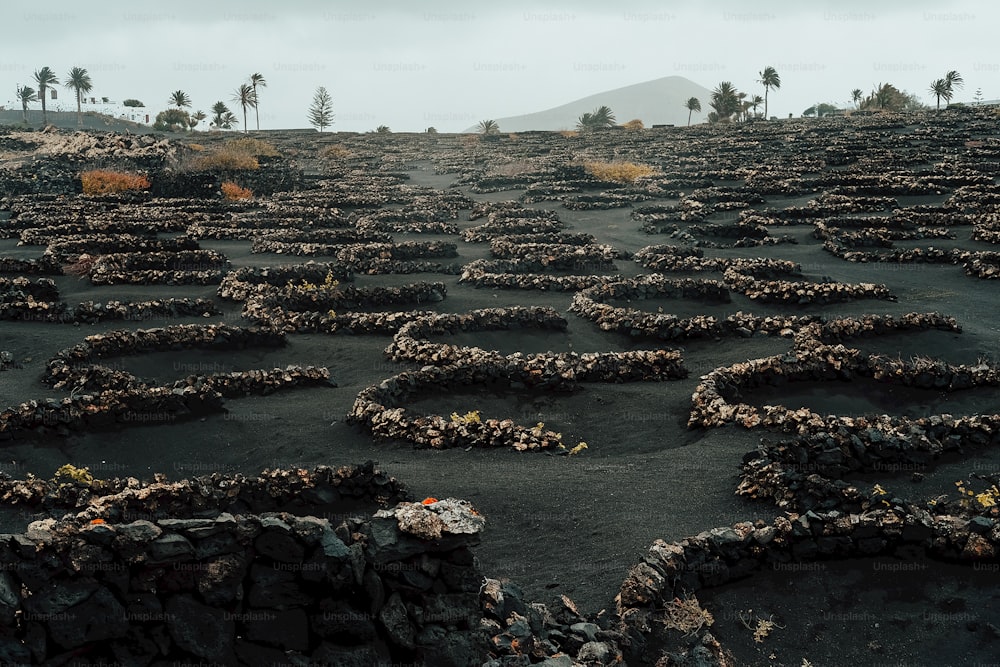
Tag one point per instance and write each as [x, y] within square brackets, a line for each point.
[45, 114]
[766, 88]
[256, 111]
[79, 113]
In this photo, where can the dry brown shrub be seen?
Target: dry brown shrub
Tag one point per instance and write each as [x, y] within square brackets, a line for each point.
[335, 152]
[618, 172]
[102, 182]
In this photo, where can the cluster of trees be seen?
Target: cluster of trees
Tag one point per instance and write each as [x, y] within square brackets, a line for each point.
[729, 104]
[945, 88]
[178, 119]
[174, 119]
[886, 97]
[78, 79]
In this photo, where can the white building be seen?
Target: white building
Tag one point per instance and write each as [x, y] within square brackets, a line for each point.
[59, 98]
[101, 105]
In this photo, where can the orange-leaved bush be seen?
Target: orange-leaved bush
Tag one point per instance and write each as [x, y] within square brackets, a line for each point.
[232, 191]
[103, 181]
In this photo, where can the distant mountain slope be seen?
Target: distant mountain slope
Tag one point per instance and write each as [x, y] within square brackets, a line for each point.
[660, 101]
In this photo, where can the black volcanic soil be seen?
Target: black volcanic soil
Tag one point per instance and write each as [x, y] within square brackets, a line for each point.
[575, 525]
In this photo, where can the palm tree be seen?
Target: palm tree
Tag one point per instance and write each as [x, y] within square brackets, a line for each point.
[196, 118]
[489, 127]
[724, 101]
[257, 79]
[693, 104]
[741, 106]
[45, 77]
[179, 99]
[229, 120]
[769, 78]
[79, 80]
[755, 102]
[954, 80]
[220, 110]
[600, 118]
[26, 94]
[604, 118]
[886, 96]
[856, 97]
[245, 97]
[940, 89]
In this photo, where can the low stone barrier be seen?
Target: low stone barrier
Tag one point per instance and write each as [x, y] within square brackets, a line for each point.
[378, 407]
[812, 360]
[198, 267]
[244, 584]
[294, 309]
[678, 259]
[558, 256]
[800, 292]
[43, 289]
[239, 284]
[590, 304]
[985, 265]
[661, 614]
[526, 274]
[262, 237]
[603, 200]
[563, 238]
[489, 231]
[408, 226]
[410, 342]
[65, 249]
[20, 309]
[44, 266]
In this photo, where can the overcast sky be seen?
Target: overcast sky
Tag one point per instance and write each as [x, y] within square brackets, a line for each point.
[412, 64]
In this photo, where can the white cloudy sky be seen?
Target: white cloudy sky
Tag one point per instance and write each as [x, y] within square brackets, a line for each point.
[412, 64]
